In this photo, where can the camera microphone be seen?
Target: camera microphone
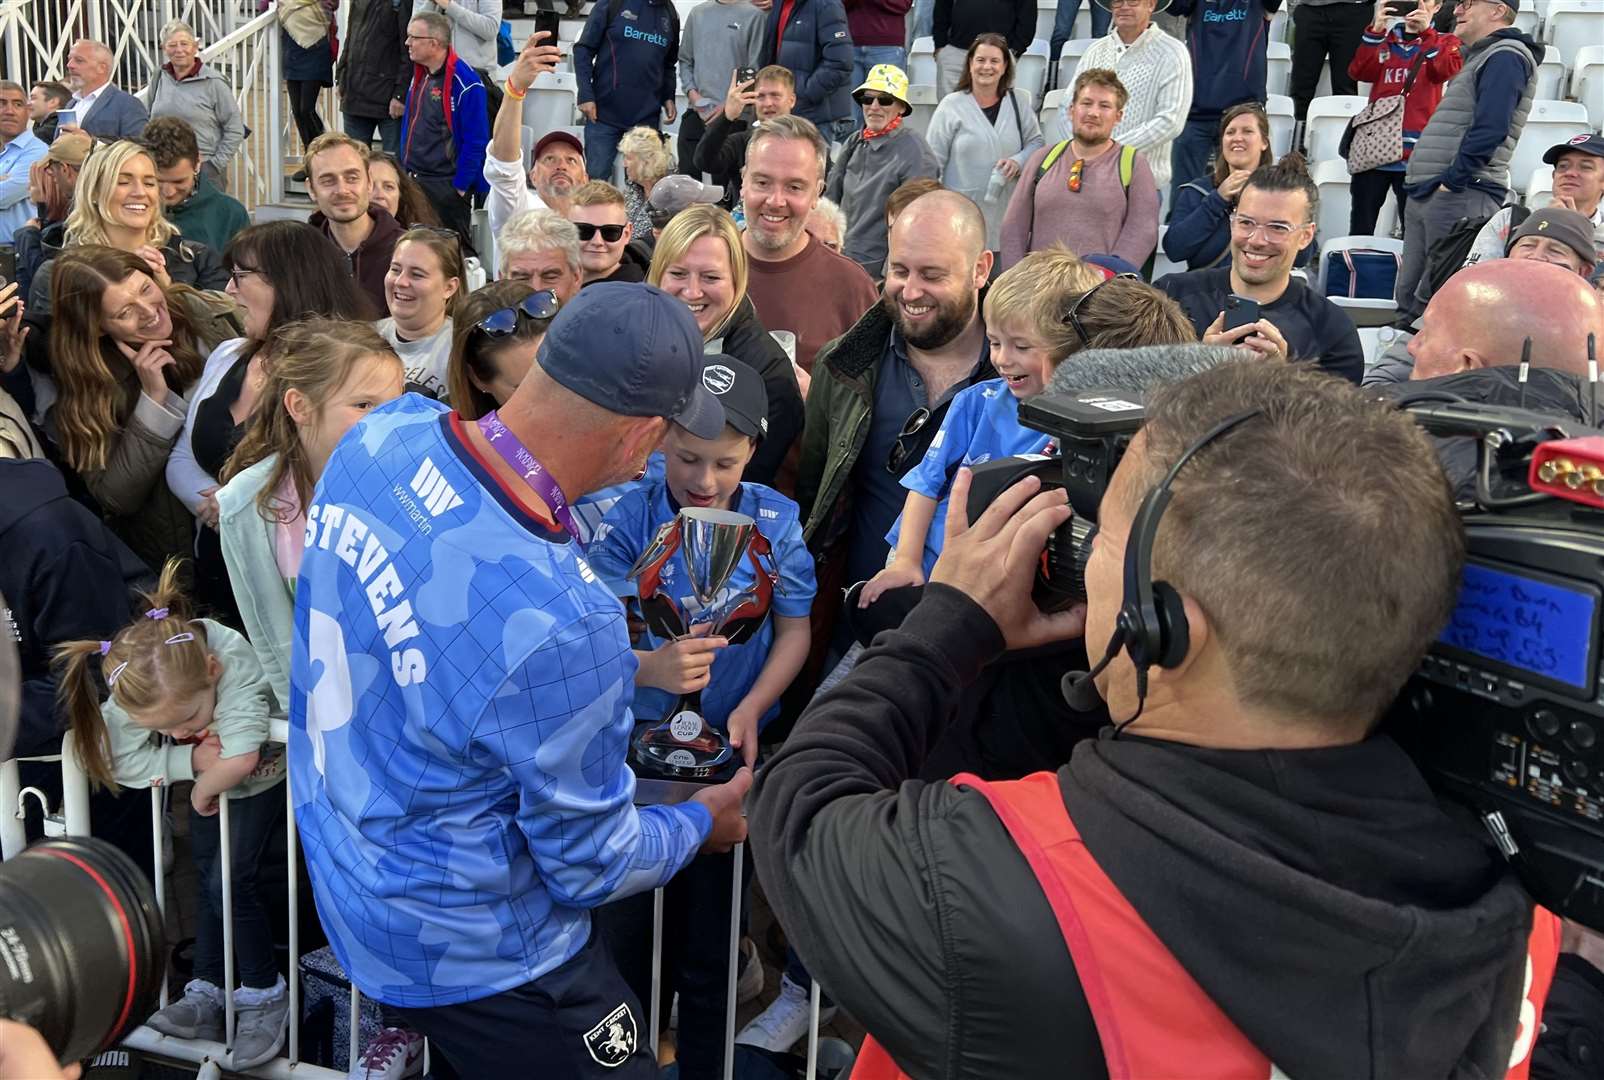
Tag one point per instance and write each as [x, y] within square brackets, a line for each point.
[1080, 688]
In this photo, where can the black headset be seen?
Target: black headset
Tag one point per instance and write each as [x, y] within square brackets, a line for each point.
[1152, 619]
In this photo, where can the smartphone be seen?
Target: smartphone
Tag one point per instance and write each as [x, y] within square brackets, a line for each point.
[1399, 8]
[66, 117]
[1239, 311]
[745, 76]
[546, 22]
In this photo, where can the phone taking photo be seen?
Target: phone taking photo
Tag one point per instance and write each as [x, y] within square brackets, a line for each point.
[746, 76]
[547, 22]
[1240, 311]
[1398, 9]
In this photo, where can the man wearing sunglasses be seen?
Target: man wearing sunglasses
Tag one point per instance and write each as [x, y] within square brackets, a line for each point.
[1460, 164]
[605, 251]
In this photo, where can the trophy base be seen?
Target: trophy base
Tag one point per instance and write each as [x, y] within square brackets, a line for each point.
[658, 780]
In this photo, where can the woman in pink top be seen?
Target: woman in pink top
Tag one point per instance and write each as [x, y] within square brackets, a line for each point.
[1096, 197]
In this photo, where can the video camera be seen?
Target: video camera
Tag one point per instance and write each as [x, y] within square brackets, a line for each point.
[1505, 716]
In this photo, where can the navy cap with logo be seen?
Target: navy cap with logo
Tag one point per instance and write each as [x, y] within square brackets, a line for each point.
[635, 351]
[1588, 143]
[741, 392]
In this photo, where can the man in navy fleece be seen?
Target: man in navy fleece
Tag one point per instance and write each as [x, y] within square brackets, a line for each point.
[624, 64]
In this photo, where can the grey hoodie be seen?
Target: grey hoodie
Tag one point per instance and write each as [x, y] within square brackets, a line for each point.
[718, 38]
[203, 100]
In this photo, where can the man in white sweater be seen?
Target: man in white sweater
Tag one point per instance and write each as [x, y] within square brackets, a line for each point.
[1157, 71]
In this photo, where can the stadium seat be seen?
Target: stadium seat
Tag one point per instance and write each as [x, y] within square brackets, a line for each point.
[1548, 123]
[1161, 261]
[1280, 69]
[1526, 21]
[1355, 243]
[1047, 11]
[1030, 73]
[1550, 77]
[1279, 107]
[922, 62]
[1328, 118]
[1571, 24]
[552, 102]
[1540, 188]
[1069, 58]
[1375, 340]
[528, 136]
[1587, 82]
[1331, 179]
[923, 100]
[1053, 127]
[1280, 25]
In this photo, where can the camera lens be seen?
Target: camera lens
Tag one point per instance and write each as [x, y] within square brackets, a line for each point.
[81, 944]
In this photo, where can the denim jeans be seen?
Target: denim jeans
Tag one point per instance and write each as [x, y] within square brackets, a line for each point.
[253, 823]
[924, 20]
[1427, 220]
[361, 128]
[1064, 28]
[601, 146]
[865, 57]
[1190, 153]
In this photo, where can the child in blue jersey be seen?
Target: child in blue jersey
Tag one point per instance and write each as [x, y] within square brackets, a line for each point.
[740, 684]
[189, 701]
[1030, 335]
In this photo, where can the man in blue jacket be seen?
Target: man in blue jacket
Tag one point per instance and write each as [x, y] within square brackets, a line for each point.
[625, 83]
[810, 37]
[445, 126]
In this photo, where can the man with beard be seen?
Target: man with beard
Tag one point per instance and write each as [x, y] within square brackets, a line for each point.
[337, 179]
[1273, 220]
[559, 155]
[800, 287]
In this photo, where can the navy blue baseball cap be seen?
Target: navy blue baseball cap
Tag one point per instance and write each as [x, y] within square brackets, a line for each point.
[635, 351]
[1586, 143]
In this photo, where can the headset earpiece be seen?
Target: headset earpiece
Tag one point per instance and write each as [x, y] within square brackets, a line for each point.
[1174, 632]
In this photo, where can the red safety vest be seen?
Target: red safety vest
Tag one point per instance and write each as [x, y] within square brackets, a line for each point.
[1125, 969]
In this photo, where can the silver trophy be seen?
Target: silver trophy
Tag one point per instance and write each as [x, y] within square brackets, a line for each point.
[714, 542]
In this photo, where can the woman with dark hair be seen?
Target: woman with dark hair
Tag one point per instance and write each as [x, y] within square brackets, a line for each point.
[1200, 221]
[983, 132]
[279, 272]
[398, 193]
[498, 331]
[423, 288]
[125, 348]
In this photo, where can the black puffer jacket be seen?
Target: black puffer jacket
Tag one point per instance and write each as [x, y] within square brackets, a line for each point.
[746, 339]
[374, 68]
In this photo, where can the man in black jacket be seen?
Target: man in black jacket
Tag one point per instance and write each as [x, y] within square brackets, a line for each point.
[374, 71]
[1248, 881]
[958, 22]
[722, 148]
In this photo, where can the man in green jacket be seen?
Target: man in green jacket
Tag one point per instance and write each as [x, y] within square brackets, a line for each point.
[203, 212]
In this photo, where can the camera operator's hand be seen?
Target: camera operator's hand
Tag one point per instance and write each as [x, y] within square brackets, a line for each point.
[896, 576]
[994, 561]
[724, 802]
[24, 1055]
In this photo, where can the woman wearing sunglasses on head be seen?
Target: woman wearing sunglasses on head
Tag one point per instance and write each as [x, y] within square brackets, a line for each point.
[422, 288]
[499, 330]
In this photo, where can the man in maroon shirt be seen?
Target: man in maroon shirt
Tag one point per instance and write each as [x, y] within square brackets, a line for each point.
[805, 294]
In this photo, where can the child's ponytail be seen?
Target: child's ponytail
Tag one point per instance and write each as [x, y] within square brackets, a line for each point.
[79, 694]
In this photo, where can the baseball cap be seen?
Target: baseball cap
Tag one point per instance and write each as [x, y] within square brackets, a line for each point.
[70, 148]
[741, 392]
[1567, 226]
[1588, 143]
[559, 135]
[635, 351]
[672, 194]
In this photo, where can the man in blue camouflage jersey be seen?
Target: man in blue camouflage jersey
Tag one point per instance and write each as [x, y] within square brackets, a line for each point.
[460, 697]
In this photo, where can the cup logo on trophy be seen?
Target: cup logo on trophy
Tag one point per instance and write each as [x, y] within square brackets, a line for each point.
[714, 543]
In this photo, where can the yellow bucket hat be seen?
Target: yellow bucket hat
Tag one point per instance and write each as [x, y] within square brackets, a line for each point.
[886, 79]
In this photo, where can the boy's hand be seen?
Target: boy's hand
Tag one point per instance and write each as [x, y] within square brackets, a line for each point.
[681, 667]
[205, 805]
[742, 725]
[896, 576]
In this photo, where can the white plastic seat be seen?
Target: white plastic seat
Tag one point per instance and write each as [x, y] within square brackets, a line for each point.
[1069, 59]
[1548, 123]
[552, 103]
[1353, 243]
[1587, 82]
[1280, 24]
[1053, 126]
[527, 135]
[1572, 24]
[922, 62]
[1030, 72]
[923, 99]
[1331, 179]
[1328, 118]
[1161, 262]
[1526, 21]
[1279, 79]
[1550, 77]
[1279, 108]
[1540, 188]
[1047, 14]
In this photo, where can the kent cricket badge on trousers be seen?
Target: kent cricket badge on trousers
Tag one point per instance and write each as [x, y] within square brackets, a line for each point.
[612, 1041]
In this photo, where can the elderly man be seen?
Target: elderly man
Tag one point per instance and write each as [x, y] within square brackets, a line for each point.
[1558, 236]
[444, 126]
[1578, 185]
[103, 110]
[337, 179]
[559, 155]
[19, 149]
[458, 880]
[1155, 70]
[541, 247]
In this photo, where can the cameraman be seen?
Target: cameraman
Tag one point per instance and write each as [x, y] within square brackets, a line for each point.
[1249, 875]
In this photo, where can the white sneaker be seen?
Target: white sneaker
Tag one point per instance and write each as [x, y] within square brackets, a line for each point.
[784, 1022]
[394, 1053]
[749, 983]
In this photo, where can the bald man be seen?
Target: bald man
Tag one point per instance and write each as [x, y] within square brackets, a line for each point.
[880, 390]
[101, 109]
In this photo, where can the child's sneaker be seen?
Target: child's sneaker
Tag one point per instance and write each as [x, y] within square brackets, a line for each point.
[393, 1054]
[196, 1015]
[261, 1023]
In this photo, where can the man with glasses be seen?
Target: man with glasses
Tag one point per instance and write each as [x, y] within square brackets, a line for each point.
[1460, 164]
[445, 125]
[1274, 219]
[605, 251]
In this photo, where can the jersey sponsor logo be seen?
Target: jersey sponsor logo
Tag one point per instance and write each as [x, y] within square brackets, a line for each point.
[632, 34]
[438, 495]
[381, 584]
[612, 1041]
[768, 513]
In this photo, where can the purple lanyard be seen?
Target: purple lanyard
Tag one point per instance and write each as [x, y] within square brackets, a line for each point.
[516, 454]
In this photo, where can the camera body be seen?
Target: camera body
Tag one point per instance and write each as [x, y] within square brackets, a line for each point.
[1505, 716]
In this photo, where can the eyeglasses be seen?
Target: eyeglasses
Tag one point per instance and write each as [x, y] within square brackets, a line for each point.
[239, 274]
[423, 37]
[884, 100]
[542, 305]
[1072, 316]
[1275, 230]
[1075, 172]
[610, 233]
[903, 446]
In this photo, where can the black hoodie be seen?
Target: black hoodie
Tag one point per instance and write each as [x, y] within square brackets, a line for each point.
[64, 577]
[1321, 898]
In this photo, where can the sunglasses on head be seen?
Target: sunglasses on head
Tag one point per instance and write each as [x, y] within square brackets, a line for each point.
[1072, 316]
[610, 233]
[540, 305]
[885, 100]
